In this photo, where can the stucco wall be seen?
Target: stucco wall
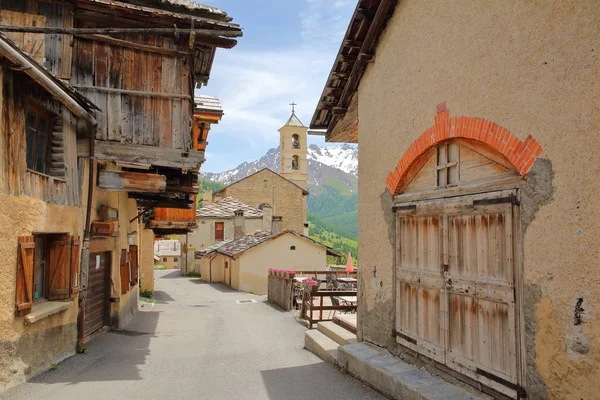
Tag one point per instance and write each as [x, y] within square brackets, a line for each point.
[146, 259]
[169, 262]
[531, 67]
[26, 350]
[204, 236]
[285, 198]
[254, 264]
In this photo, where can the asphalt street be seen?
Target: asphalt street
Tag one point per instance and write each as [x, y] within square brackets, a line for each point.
[198, 341]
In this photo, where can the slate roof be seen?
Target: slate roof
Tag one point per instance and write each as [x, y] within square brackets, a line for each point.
[237, 247]
[167, 248]
[208, 104]
[304, 191]
[211, 249]
[294, 121]
[226, 208]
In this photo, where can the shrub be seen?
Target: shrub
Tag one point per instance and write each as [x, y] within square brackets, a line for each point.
[193, 274]
[146, 293]
[160, 267]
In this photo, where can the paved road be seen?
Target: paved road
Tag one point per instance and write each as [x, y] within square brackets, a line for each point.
[198, 342]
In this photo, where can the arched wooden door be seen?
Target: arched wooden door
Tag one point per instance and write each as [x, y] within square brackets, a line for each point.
[456, 276]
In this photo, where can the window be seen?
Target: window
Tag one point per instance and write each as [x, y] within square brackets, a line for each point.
[447, 164]
[265, 184]
[293, 248]
[39, 141]
[295, 163]
[47, 267]
[219, 231]
[295, 142]
[175, 259]
[164, 259]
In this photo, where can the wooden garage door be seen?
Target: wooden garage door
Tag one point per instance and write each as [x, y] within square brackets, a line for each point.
[455, 286]
[98, 293]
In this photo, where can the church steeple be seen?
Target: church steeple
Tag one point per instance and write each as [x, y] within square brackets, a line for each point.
[293, 150]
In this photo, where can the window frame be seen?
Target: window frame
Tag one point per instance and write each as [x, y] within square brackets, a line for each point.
[39, 112]
[222, 230]
[443, 165]
[45, 262]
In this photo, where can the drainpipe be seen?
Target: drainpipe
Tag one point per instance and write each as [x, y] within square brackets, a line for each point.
[85, 248]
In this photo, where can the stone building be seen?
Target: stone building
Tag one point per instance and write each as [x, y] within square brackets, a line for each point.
[267, 188]
[479, 249]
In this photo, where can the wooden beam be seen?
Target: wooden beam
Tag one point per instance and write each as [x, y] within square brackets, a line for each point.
[125, 181]
[134, 92]
[132, 45]
[148, 155]
[105, 31]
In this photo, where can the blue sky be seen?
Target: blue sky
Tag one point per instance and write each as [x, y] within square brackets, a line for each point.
[285, 55]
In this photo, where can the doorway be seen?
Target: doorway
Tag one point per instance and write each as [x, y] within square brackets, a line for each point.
[97, 313]
[456, 286]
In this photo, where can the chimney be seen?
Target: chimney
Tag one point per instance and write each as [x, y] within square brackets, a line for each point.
[267, 211]
[277, 226]
[239, 225]
[207, 197]
[306, 229]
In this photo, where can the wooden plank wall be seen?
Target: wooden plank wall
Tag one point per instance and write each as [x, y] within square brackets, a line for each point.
[15, 176]
[131, 118]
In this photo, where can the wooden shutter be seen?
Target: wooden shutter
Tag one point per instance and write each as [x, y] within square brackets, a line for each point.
[125, 277]
[74, 268]
[133, 254]
[59, 268]
[219, 230]
[25, 267]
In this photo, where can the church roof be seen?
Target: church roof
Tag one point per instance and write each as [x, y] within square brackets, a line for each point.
[304, 191]
[294, 121]
[226, 208]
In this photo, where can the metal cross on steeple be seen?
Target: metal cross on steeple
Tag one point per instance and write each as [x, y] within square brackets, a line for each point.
[293, 107]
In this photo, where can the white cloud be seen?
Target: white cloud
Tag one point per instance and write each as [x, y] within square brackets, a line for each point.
[256, 86]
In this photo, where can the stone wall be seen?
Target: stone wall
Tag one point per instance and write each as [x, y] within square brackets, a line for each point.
[531, 68]
[267, 187]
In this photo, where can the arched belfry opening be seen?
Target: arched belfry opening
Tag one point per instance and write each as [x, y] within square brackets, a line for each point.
[458, 268]
[295, 142]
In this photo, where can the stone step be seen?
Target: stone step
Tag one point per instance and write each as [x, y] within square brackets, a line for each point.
[336, 333]
[321, 346]
[397, 379]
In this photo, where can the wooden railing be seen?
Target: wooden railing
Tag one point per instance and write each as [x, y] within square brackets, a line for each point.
[313, 313]
[316, 274]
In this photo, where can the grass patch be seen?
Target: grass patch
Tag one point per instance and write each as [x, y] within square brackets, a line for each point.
[193, 274]
[146, 293]
[160, 267]
[53, 366]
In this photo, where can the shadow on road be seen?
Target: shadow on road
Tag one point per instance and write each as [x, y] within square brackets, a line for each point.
[176, 273]
[221, 287]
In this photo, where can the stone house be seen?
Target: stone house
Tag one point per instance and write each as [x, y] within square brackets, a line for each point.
[168, 253]
[267, 188]
[89, 150]
[244, 261]
[478, 249]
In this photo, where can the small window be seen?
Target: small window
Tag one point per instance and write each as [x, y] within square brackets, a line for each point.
[447, 165]
[164, 259]
[175, 259]
[295, 142]
[39, 141]
[293, 248]
[265, 183]
[295, 163]
[219, 231]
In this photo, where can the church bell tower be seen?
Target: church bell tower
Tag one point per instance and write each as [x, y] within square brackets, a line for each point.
[293, 164]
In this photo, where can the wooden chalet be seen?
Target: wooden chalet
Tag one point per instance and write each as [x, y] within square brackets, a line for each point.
[165, 220]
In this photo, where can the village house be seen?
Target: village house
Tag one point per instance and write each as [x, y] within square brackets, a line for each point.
[243, 262]
[97, 131]
[479, 249]
[167, 253]
[284, 192]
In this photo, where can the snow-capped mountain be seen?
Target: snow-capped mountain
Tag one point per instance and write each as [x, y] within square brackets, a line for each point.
[341, 158]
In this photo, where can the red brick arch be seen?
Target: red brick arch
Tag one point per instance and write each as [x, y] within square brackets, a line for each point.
[520, 154]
